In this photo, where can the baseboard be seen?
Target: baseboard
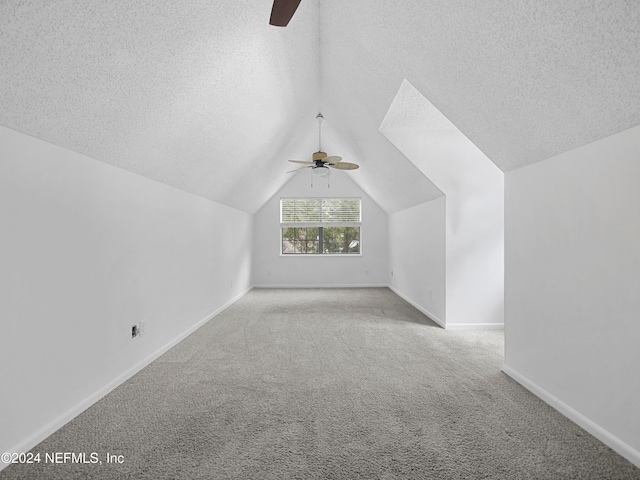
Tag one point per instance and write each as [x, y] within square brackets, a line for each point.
[480, 326]
[321, 285]
[593, 428]
[66, 417]
[418, 306]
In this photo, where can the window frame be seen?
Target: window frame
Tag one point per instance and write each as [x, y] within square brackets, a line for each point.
[283, 225]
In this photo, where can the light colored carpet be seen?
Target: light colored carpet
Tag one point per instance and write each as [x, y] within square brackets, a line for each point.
[327, 384]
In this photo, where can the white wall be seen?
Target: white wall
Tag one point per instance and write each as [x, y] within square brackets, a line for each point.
[270, 268]
[86, 251]
[573, 285]
[474, 190]
[417, 257]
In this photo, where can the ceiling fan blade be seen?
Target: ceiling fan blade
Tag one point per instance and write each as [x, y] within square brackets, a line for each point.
[296, 169]
[302, 161]
[332, 159]
[345, 166]
[282, 11]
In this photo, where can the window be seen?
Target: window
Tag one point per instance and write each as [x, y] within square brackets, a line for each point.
[316, 226]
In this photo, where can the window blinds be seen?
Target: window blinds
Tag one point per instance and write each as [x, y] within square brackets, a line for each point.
[319, 211]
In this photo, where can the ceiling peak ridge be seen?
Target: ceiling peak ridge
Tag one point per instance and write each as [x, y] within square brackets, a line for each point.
[319, 67]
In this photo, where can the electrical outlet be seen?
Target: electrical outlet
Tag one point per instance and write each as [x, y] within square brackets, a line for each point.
[392, 273]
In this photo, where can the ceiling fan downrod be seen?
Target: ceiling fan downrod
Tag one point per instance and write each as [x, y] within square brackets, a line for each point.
[319, 118]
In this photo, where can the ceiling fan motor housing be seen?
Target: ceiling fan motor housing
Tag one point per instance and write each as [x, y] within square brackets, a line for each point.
[319, 156]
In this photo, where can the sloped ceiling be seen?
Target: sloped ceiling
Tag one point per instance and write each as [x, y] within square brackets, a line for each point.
[202, 95]
[522, 80]
[205, 96]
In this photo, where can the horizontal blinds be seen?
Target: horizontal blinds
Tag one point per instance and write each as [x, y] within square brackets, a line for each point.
[320, 210]
[297, 210]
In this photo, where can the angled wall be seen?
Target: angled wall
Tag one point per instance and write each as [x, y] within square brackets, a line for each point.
[417, 254]
[87, 250]
[572, 269]
[271, 269]
[474, 191]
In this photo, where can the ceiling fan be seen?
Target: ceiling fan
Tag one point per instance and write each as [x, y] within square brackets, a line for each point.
[321, 161]
[282, 11]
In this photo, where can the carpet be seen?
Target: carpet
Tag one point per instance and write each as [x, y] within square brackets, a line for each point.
[326, 384]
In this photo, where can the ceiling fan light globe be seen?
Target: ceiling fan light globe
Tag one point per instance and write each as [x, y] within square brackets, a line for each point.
[320, 170]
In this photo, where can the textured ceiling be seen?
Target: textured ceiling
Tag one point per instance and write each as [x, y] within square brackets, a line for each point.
[207, 97]
[522, 80]
[203, 95]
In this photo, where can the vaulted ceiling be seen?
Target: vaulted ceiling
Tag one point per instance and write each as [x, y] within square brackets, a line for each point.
[206, 96]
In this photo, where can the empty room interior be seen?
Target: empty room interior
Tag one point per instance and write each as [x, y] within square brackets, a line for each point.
[387, 240]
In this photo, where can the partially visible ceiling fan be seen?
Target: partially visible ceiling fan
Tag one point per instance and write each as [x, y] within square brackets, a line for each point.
[321, 161]
[282, 11]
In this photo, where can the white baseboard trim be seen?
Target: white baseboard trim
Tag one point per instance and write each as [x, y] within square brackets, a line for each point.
[479, 326]
[418, 307]
[321, 285]
[590, 426]
[58, 422]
